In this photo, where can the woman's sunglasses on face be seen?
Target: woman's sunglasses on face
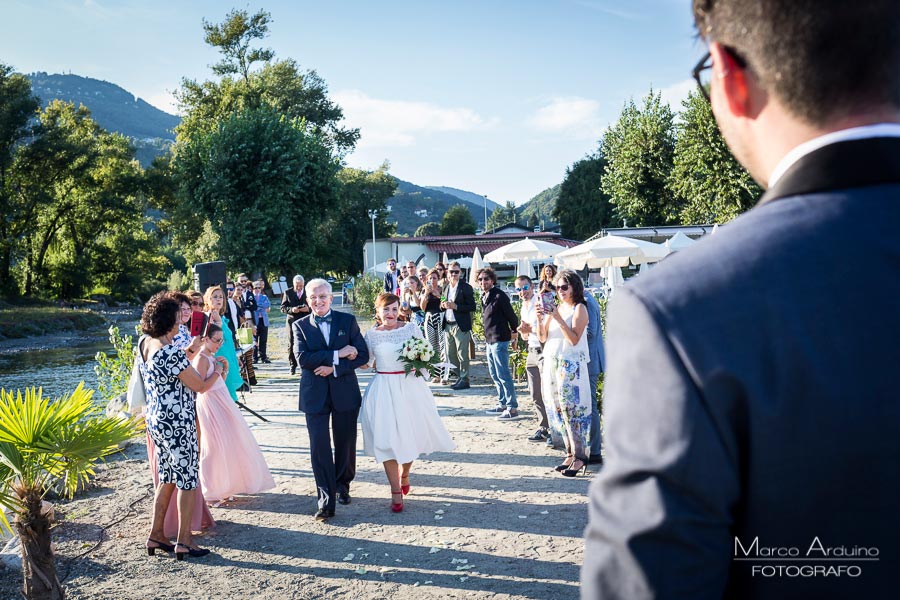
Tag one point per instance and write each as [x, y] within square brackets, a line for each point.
[563, 287]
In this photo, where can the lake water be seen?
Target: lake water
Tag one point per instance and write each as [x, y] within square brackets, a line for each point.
[59, 370]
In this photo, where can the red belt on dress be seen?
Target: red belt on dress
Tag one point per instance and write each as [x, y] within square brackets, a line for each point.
[391, 372]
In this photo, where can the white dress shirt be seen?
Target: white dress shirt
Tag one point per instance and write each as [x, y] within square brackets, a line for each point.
[451, 297]
[325, 328]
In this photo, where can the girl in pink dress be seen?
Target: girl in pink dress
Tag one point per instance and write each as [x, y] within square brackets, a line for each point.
[230, 460]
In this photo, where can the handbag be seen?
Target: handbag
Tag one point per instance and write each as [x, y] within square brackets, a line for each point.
[136, 395]
[245, 335]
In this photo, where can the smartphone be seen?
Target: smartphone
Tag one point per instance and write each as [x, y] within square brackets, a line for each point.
[199, 323]
[547, 301]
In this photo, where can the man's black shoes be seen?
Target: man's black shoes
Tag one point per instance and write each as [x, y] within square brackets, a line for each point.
[343, 498]
[324, 514]
[462, 384]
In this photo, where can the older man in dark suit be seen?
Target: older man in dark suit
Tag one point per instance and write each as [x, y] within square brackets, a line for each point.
[751, 406]
[294, 305]
[329, 347]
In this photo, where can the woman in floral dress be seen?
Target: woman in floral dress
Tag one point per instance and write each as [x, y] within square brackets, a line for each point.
[567, 394]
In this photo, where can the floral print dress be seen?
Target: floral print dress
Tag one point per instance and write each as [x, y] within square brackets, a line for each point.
[566, 387]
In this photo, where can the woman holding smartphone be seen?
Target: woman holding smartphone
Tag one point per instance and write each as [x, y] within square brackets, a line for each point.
[565, 382]
[434, 329]
[411, 300]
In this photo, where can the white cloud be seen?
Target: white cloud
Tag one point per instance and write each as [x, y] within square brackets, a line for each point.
[574, 116]
[397, 122]
[677, 92]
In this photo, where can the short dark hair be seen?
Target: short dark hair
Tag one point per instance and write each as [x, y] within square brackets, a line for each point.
[212, 329]
[160, 315]
[574, 280]
[489, 272]
[820, 58]
[526, 277]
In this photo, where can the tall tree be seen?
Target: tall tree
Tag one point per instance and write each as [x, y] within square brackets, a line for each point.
[639, 149]
[426, 229]
[707, 182]
[350, 225]
[260, 81]
[583, 208]
[458, 221]
[17, 105]
[501, 216]
[263, 184]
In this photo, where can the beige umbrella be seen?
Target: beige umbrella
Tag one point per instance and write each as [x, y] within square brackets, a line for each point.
[477, 265]
[612, 250]
[528, 249]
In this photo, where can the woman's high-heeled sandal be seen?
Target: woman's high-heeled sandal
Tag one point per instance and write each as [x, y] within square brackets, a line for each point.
[396, 506]
[570, 472]
[192, 552]
[565, 465]
[151, 550]
[404, 488]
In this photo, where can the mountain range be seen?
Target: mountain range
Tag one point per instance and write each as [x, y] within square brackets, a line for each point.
[152, 132]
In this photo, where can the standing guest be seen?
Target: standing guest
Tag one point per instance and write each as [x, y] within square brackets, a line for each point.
[400, 421]
[735, 413]
[434, 322]
[230, 460]
[565, 376]
[329, 348]
[196, 300]
[423, 276]
[410, 302]
[295, 306]
[171, 421]
[247, 302]
[201, 518]
[534, 362]
[215, 304]
[404, 273]
[458, 306]
[232, 309]
[500, 323]
[392, 277]
[442, 271]
[595, 367]
[263, 304]
[548, 274]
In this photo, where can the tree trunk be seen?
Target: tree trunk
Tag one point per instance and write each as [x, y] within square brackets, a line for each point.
[38, 563]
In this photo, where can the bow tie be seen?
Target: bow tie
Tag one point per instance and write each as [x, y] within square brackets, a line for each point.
[325, 319]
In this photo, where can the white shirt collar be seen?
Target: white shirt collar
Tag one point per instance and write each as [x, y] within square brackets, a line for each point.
[844, 135]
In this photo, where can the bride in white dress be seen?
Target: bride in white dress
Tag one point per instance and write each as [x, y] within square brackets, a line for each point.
[399, 418]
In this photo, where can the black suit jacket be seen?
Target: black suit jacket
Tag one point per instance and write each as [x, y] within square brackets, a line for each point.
[389, 286]
[339, 391]
[497, 316]
[290, 300]
[752, 394]
[465, 305]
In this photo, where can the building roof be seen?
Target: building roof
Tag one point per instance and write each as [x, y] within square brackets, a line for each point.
[466, 244]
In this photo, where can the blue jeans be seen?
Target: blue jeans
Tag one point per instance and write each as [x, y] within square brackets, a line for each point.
[595, 416]
[498, 367]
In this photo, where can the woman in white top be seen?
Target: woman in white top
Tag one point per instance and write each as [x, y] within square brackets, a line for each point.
[399, 418]
[567, 395]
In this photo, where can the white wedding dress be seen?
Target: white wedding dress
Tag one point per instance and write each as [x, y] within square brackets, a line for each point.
[399, 418]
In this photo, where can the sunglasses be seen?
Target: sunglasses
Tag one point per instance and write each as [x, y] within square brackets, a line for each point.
[217, 341]
[563, 287]
[230, 289]
[196, 303]
[454, 272]
[524, 288]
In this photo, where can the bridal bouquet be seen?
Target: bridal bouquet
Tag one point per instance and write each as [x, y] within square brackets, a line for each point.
[417, 357]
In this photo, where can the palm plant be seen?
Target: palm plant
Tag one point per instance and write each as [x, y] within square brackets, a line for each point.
[45, 443]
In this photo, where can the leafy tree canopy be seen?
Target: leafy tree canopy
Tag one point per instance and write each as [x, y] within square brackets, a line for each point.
[429, 228]
[582, 208]
[458, 221]
[502, 216]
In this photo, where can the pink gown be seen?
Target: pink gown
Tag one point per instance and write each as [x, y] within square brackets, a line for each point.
[230, 459]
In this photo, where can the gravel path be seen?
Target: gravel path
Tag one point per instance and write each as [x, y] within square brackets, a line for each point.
[489, 520]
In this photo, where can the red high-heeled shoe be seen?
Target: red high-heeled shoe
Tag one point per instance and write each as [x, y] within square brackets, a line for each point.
[404, 488]
[396, 506]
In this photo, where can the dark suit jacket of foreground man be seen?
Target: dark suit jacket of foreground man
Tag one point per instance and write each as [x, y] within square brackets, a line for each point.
[336, 396]
[762, 398]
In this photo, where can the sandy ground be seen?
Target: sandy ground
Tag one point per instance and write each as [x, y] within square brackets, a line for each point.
[489, 520]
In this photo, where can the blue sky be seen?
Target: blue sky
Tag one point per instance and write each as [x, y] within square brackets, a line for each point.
[495, 97]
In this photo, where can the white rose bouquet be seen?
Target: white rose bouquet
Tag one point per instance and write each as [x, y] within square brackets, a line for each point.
[417, 357]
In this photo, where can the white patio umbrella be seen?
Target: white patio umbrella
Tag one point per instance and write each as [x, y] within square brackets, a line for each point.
[614, 278]
[612, 250]
[524, 266]
[476, 264]
[679, 241]
[527, 248]
[445, 261]
[379, 268]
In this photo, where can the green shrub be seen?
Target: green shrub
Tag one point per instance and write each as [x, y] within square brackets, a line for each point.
[113, 371]
[365, 291]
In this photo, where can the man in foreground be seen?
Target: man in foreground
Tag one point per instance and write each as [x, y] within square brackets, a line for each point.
[752, 422]
[329, 347]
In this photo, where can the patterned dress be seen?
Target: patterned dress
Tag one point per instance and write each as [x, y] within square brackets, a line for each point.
[566, 388]
[171, 418]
